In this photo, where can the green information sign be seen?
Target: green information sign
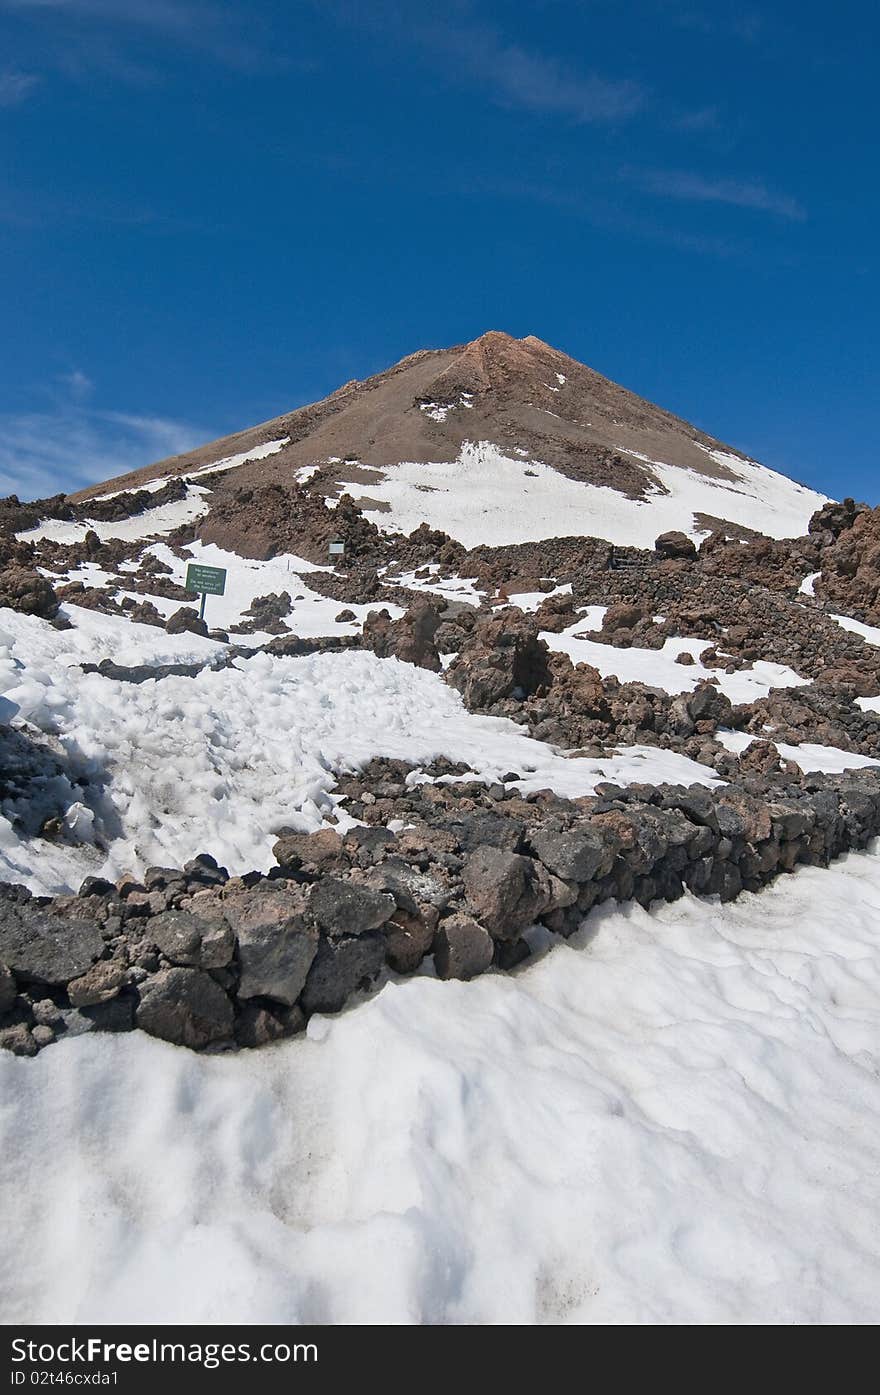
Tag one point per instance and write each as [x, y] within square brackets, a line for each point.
[207, 581]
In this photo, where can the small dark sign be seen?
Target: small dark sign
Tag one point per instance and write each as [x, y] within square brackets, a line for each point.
[207, 581]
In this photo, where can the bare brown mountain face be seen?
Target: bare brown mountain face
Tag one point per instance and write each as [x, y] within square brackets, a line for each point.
[520, 394]
[498, 441]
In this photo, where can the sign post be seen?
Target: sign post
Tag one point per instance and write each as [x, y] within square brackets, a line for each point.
[206, 581]
[335, 548]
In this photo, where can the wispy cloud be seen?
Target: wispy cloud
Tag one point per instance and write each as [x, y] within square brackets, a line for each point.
[78, 384]
[734, 20]
[112, 35]
[525, 78]
[466, 50]
[163, 14]
[70, 445]
[16, 87]
[698, 188]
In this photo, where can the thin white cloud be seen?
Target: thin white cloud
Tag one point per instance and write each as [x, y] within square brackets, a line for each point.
[524, 78]
[16, 87]
[78, 384]
[698, 188]
[108, 35]
[70, 446]
[166, 14]
[466, 50]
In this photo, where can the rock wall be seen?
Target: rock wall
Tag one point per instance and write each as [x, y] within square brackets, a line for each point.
[214, 962]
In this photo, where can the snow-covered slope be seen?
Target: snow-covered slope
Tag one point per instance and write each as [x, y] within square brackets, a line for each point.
[485, 496]
[221, 761]
[673, 1118]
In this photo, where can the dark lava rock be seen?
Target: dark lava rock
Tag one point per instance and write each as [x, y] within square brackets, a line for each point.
[186, 1007]
[276, 942]
[503, 656]
[321, 851]
[24, 589]
[258, 1025]
[185, 621]
[18, 1040]
[190, 940]
[462, 948]
[410, 639]
[675, 544]
[497, 884]
[574, 856]
[344, 908]
[40, 947]
[8, 989]
[340, 968]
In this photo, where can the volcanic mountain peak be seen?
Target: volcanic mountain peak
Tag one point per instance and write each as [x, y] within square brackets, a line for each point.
[499, 439]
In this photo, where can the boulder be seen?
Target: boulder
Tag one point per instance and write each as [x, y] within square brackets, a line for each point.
[496, 883]
[98, 984]
[622, 616]
[340, 968]
[257, 1025]
[462, 948]
[41, 947]
[480, 830]
[185, 621]
[504, 657]
[410, 639]
[577, 856]
[509, 892]
[345, 908]
[321, 851]
[191, 940]
[186, 1007]
[26, 590]
[409, 936]
[276, 942]
[18, 1040]
[675, 544]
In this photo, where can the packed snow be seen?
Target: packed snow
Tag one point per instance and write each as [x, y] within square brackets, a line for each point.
[152, 522]
[870, 633]
[462, 497]
[812, 758]
[222, 761]
[658, 668]
[311, 613]
[449, 588]
[529, 601]
[672, 1118]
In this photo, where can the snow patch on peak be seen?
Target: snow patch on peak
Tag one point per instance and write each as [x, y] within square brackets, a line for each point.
[485, 496]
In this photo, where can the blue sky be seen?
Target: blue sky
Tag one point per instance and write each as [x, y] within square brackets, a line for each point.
[214, 212]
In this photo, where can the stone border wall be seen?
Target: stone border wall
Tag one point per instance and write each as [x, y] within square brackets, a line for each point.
[209, 961]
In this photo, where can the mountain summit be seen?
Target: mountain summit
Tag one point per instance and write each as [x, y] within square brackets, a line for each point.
[500, 440]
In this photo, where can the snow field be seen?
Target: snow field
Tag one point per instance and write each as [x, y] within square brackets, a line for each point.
[830, 760]
[163, 519]
[462, 497]
[657, 668]
[311, 615]
[220, 762]
[672, 1118]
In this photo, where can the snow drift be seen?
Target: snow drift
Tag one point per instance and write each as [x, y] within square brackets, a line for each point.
[673, 1118]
